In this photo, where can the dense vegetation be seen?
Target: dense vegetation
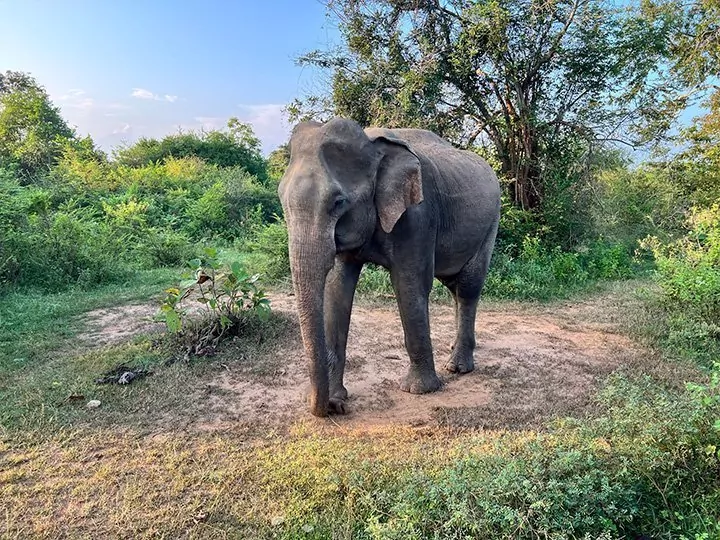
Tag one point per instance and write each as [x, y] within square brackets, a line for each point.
[545, 92]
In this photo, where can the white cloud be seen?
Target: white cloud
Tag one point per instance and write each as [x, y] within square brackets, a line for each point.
[125, 128]
[141, 93]
[73, 93]
[76, 99]
[210, 122]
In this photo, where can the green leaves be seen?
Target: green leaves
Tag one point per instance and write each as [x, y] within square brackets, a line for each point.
[224, 292]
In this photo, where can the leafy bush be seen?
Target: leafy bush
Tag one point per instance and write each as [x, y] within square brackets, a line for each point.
[647, 464]
[542, 273]
[689, 268]
[236, 147]
[268, 248]
[51, 250]
[688, 272]
[225, 295]
[633, 204]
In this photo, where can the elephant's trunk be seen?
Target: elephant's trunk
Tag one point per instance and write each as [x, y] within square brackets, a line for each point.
[311, 260]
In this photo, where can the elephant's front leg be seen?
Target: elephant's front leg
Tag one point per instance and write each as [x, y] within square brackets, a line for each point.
[413, 290]
[339, 294]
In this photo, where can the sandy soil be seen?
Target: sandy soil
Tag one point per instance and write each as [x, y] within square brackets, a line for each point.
[117, 324]
[530, 365]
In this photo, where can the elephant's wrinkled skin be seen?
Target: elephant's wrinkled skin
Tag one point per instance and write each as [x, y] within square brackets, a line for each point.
[404, 199]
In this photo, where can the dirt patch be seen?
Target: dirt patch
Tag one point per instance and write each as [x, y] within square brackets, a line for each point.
[117, 324]
[531, 364]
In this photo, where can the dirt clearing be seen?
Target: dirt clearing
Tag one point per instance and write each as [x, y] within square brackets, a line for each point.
[532, 363]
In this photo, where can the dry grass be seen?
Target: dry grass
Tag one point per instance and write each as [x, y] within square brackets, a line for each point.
[147, 464]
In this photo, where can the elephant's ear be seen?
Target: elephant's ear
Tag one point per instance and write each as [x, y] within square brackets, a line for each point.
[399, 180]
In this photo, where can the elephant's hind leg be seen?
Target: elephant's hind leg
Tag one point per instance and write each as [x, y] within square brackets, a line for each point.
[466, 288]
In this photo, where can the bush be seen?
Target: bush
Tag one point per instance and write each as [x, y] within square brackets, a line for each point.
[269, 249]
[225, 296]
[236, 147]
[688, 272]
[542, 273]
[53, 249]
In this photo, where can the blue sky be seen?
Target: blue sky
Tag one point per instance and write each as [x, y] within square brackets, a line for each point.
[129, 68]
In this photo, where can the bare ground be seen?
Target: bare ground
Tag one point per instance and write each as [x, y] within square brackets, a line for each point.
[532, 363]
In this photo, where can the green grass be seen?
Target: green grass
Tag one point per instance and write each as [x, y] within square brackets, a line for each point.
[647, 462]
[35, 324]
[640, 467]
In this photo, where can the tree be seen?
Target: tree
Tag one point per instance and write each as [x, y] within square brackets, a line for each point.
[278, 161]
[238, 146]
[531, 79]
[32, 131]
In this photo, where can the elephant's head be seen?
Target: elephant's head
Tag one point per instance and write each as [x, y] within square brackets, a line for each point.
[338, 185]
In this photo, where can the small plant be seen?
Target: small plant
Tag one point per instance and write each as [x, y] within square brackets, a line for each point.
[224, 297]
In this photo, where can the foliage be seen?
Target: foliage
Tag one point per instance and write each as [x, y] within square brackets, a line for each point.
[278, 161]
[91, 221]
[632, 204]
[268, 249]
[227, 296]
[541, 273]
[32, 131]
[528, 78]
[688, 272]
[236, 147]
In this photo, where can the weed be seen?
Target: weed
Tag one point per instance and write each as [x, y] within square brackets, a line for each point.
[226, 295]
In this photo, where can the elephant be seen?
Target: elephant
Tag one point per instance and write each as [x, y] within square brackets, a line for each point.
[404, 199]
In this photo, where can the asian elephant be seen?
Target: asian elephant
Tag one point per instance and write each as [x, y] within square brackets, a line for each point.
[404, 199]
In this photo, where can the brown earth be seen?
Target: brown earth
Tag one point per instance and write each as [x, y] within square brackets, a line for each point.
[532, 363]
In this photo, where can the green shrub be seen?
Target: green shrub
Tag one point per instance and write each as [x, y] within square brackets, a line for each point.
[689, 268]
[688, 273]
[52, 249]
[268, 248]
[540, 273]
[632, 204]
[224, 295]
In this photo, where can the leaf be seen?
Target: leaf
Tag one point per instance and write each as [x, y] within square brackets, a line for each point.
[210, 252]
[172, 319]
[225, 321]
[237, 269]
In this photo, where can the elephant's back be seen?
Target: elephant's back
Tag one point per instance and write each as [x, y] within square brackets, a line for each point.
[454, 164]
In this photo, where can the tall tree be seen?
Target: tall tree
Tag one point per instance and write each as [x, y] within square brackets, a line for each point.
[32, 131]
[523, 77]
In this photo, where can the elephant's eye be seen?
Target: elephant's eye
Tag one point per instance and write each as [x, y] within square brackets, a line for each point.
[339, 203]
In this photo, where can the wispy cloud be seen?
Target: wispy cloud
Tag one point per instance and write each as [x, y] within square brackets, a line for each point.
[210, 122]
[125, 128]
[142, 93]
[75, 98]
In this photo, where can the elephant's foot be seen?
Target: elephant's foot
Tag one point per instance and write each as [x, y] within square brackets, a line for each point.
[338, 396]
[419, 382]
[337, 406]
[339, 392]
[460, 361]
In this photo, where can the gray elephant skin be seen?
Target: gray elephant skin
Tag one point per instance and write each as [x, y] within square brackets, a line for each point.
[404, 199]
